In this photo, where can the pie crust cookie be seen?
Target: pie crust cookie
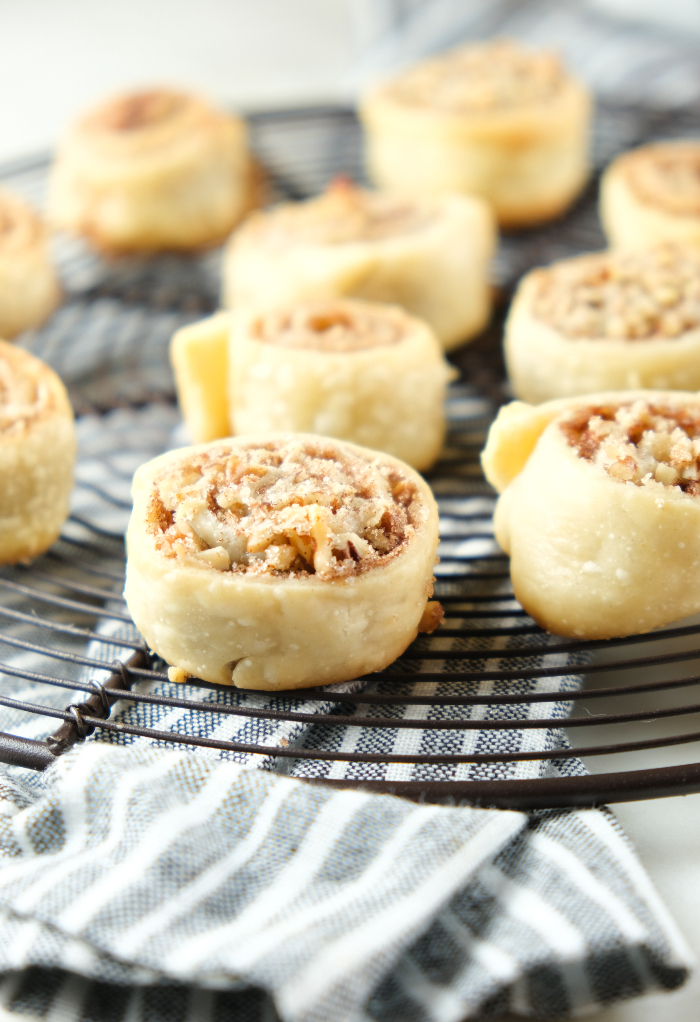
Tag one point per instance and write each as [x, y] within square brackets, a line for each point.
[613, 320]
[652, 194]
[150, 171]
[430, 256]
[37, 454]
[600, 509]
[29, 291]
[494, 118]
[280, 561]
[354, 370]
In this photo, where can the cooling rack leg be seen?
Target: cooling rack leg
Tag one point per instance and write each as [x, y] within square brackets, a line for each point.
[25, 752]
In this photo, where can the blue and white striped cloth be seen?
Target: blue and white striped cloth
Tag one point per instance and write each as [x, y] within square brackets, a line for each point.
[143, 882]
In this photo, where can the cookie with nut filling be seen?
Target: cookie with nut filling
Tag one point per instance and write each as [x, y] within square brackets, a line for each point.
[652, 194]
[599, 509]
[150, 171]
[37, 453]
[359, 371]
[280, 561]
[495, 119]
[29, 291]
[608, 321]
[429, 255]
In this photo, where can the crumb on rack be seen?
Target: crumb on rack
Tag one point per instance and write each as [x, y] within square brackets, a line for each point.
[432, 616]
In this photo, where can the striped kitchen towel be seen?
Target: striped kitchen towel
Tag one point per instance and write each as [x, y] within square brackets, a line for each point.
[166, 885]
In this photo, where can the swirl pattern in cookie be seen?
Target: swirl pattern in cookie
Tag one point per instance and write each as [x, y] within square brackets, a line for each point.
[429, 255]
[279, 562]
[152, 170]
[37, 453]
[29, 291]
[495, 119]
[359, 371]
[607, 321]
[652, 194]
[600, 509]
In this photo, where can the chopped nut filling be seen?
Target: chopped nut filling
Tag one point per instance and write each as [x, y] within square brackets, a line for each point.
[22, 397]
[338, 326]
[481, 77]
[629, 296]
[294, 507]
[343, 214]
[667, 176]
[640, 443]
[140, 110]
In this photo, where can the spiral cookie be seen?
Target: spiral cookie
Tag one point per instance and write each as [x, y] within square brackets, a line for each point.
[359, 371]
[279, 562]
[28, 288]
[494, 119]
[652, 194]
[608, 321]
[37, 452]
[152, 170]
[600, 509]
[430, 256]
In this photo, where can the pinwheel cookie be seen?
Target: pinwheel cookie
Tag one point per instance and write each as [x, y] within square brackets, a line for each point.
[152, 170]
[430, 256]
[280, 562]
[494, 119]
[652, 194]
[359, 371]
[37, 452]
[28, 288]
[608, 321]
[600, 509]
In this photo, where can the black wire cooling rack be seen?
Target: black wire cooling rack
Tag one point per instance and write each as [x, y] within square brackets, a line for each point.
[109, 341]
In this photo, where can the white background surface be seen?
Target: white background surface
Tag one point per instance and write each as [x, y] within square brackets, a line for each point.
[58, 55]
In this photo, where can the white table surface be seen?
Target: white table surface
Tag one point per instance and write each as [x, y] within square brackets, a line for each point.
[59, 55]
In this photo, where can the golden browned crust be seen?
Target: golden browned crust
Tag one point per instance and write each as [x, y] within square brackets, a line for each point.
[341, 215]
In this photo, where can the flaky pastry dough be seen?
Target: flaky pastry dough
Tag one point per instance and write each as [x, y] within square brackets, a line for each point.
[152, 170]
[359, 371]
[29, 291]
[494, 119]
[612, 320]
[37, 453]
[281, 561]
[652, 194]
[430, 256]
[600, 509]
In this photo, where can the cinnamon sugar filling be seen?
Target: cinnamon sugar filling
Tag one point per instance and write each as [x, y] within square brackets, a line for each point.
[293, 508]
[481, 77]
[141, 110]
[330, 326]
[667, 176]
[343, 214]
[630, 296]
[639, 442]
